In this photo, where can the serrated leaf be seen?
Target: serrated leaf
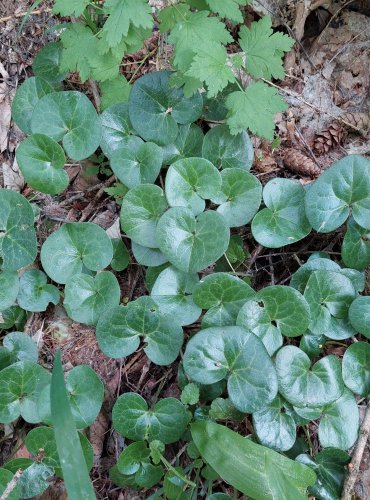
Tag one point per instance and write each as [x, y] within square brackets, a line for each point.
[70, 7]
[356, 246]
[171, 15]
[116, 127]
[224, 352]
[356, 368]
[188, 143]
[72, 246]
[254, 109]
[146, 256]
[113, 91]
[9, 287]
[166, 421]
[283, 221]
[306, 386]
[17, 346]
[230, 9]
[46, 64]
[35, 294]
[343, 189]
[359, 315]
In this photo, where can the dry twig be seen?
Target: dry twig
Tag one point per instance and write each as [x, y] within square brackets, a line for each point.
[11, 485]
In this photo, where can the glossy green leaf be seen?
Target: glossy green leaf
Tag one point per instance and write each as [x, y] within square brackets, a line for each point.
[173, 486]
[356, 368]
[25, 100]
[302, 275]
[226, 352]
[71, 118]
[119, 330]
[192, 243]
[73, 246]
[165, 421]
[223, 409]
[146, 256]
[156, 108]
[35, 476]
[5, 478]
[47, 61]
[35, 294]
[188, 144]
[359, 315]
[148, 475]
[343, 189]
[329, 295]
[141, 208]
[190, 181]
[116, 127]
[129, 462]
[75, 470]
[87, 297]
[13, 316]
[172, 292]
[283, 221]
[9, 287]
[18, 246]
[20, 386]
[228, 151]
[356, 246]
[121, 257]
[41, 161]
[306, 386]
[17, 346]
[239, 197]
[312, 344]
[137, 163]
[253, 469]
[274, 427]
[222, 295]
[356, 277]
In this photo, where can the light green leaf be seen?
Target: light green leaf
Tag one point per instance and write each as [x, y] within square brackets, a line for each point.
[302, 275]
[145, 256]
[35, 476]
[166, 421]
[239, 197]
[230, 10]
[13, 316]
[189, 243]
[219, 352]
[149, 475]
[190, 394]
[116, 127]
[356, 246]
[5, 478]
[228, 151]
[130, 460]
[356, 368]
[34, 293]
[46, 64]
[70, 7]
[343, 189]
[72, 247]
[87, 297]
[115, 90]
[17, 346]
[283, 221]
[253, 469]
[306, 386]
[359, 315]
[190, 181]
[9, 287]
[121, 257]
[71, 118]
[188, 144]
[171, 15]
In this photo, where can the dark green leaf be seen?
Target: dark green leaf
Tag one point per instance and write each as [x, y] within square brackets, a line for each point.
[121, 257]
[9, 287]
[356, 246]
[116, 127]
[47, 61]
[188, 143]
[146, 256]
[17, 346]
[359, 315]
[356, 368]
[5, 478]
[34, 293]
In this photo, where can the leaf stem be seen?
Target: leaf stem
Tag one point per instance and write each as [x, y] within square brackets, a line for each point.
[174, 471]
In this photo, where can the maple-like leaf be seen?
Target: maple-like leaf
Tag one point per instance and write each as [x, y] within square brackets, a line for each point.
[264, 49]
[70, 7]
[211, 67]
[122, 14]
[254, 109]
[229, 8]
[169, 16]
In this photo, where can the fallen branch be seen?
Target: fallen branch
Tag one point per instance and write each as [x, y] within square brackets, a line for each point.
[11, 485]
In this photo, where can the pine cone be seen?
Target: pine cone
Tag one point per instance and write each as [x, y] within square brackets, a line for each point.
[299, 163]
[358, 120]
[328, 138]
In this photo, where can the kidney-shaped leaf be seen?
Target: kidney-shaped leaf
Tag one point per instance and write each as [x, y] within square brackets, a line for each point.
[151, 257]
[73, 246]
[253, 469]
[9, 287]
[166, 421]
[17, 346]
[283, 221]
[41, 161]
[359, 315]
[356, 246]
[343, 189]
[47, 62]
[302, 275]
[116, 127]
[219, 352]
[356, 368]
[306, 386]
[35, 294]
[192, 243]
[71, 118]
[188, 144]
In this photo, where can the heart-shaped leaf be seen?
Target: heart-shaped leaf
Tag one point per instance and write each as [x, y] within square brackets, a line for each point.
[137, 163]
[228, 151]
[172, 292]
[20, 386]
[71, 118]
[302, 275]
[329, 295]
[13, 316]
[85, 393]
[312, 344]
[121, 257]
[343, 189]
[275, 311]
[166, 421]
[35, 476]
[356, 246]
[17, 346]
[119, 330]
[129, 462]
[18, 246]
[156, 108]
[306, 386]
[87, 297]
[116, 127]
[34, 293]
[275, 428]
[141, 208]
[5, 478]
[41, 161]
[283, 221]
[359, 315]
[216, 353]
[146, 256]
[47, 62]
[25, 100]
[239, 197]
[72, 247]
[356, 368]
[222, 295]
[192, 243]
[188, 144]
[191, 181]
[9, 287]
